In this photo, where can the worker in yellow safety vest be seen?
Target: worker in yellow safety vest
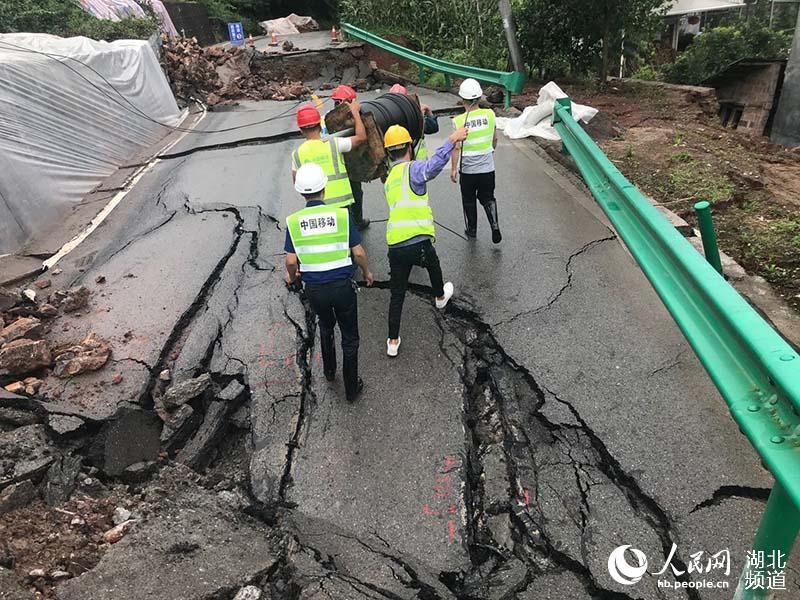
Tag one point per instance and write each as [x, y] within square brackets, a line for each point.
[327, 153]
[410, 231]
[475, 160]
[431, 123]
[323, 241]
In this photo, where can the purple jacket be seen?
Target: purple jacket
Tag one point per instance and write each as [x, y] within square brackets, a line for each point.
[422, 171]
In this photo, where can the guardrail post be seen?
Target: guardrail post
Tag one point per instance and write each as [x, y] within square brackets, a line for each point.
[562, 104]
[773, 543]
[708, 235]
[448, 80]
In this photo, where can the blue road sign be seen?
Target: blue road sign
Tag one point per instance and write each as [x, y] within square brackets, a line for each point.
[236, 33]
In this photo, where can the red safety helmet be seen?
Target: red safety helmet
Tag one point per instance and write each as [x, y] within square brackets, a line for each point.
[344, 92]
[307, 116]
[398, 89]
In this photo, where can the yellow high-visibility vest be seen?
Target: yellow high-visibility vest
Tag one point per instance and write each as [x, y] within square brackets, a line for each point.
[481, 124]
[410, 215]
[327, 155]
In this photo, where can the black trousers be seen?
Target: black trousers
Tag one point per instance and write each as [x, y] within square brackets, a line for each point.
[334, 303]
[478, 187]
[357, 207]
[401, 261]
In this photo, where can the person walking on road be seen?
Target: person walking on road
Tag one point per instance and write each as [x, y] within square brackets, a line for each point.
[475, 161]
[346, 94]
[327, 153]
[323, 241]
[431, 123]
[410, 231]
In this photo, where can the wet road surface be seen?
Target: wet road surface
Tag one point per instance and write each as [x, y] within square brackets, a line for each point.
[551, 414]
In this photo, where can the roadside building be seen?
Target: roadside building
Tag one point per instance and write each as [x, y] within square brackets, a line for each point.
[748, 92]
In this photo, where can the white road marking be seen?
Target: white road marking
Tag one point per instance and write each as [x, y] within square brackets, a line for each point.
[129, 184]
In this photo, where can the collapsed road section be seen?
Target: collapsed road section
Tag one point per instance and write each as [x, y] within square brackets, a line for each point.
[169, 432]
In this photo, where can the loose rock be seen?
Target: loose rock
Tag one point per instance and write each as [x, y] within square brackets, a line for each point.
[179, 427]
[42, 284]
[36, 573]
[250, 592]
[8, 299]
[183, 392]
[18, 387]
[165, 375]
[117, 379]
[25, 327]
[24, 454]
[16, 496]
[231, 392]
[58, 575]
[120, 515]
[100, 279]
[76, 299]
[197, 453]
[64, 424]
[92, 354]
[115, 534]
[61, 477]
[48, 310]
[23, 356]
[29, 294]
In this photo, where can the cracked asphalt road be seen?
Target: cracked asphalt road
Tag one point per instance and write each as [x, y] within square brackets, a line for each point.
[553, 413]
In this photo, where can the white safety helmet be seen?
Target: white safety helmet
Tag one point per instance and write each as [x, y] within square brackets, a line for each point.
[310, 179]
[470, 90]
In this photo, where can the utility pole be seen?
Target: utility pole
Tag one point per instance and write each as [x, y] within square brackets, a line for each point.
[786, 128]
[511, 35]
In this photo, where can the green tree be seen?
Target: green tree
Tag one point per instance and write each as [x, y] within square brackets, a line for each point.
[575, 34]
[714, 50]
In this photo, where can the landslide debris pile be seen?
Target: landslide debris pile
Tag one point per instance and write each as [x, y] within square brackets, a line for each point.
[219, 74]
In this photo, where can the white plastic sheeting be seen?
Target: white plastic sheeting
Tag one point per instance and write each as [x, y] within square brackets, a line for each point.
[685, 7]
[63, 129]
[290, 25]
[536, 120]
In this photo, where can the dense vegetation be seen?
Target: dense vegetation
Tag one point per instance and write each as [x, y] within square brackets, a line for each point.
[575, 37]
[714, 50]
[65, 18]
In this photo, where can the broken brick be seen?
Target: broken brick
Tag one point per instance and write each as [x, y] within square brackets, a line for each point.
[25, 356]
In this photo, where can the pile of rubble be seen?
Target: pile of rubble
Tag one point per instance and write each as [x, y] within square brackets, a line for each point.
[220, 74]
[70, 481]
[23, 350]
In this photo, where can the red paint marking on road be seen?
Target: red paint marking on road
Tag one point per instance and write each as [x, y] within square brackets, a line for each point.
[450, 461]
[451, 530]
[526, 497]
[452, 509]
[428, 511]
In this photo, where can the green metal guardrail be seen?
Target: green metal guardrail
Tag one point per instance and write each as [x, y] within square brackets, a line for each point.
[512, 82]
[755, 370]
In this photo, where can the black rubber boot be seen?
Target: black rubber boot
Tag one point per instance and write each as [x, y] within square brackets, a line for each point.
[494, 222]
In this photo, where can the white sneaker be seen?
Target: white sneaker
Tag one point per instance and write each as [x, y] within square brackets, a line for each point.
[448, 293]
[391, 349]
